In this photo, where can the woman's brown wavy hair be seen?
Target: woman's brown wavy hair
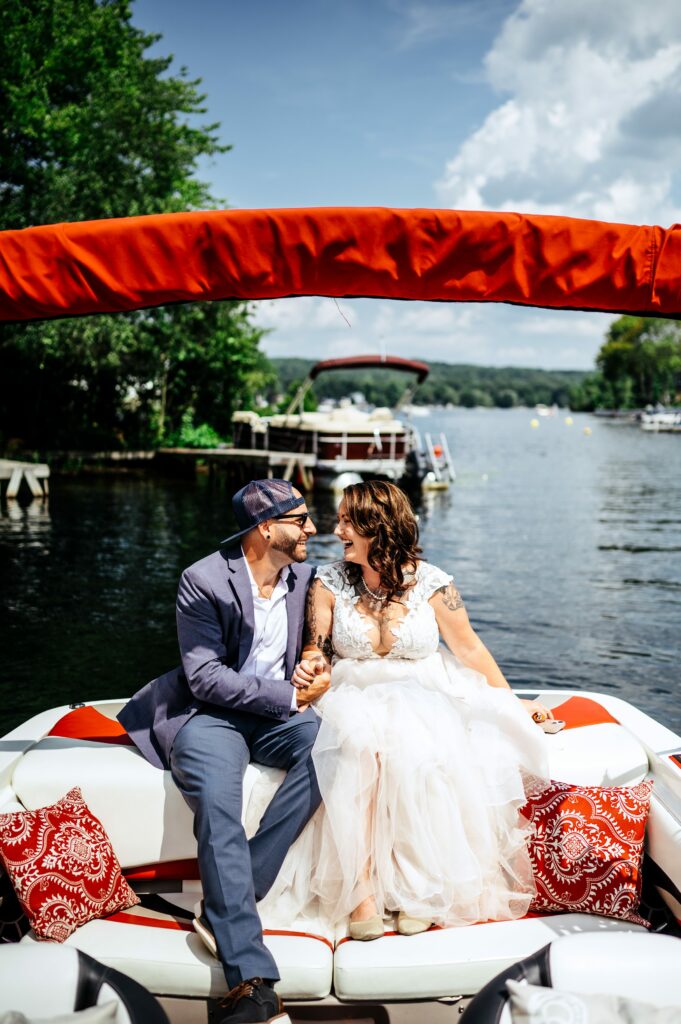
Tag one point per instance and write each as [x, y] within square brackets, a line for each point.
[381, 511]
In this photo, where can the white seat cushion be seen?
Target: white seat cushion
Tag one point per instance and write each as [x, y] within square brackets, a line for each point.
[169, 959]
[645, 967]
[605, 754]
[141, 808]
[450, 961]
[55, 966]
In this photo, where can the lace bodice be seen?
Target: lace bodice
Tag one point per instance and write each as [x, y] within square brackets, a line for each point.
[416, 635]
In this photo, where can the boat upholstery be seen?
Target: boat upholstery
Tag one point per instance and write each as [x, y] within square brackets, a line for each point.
[69, 981]
[148, 821]
[165, 955]
[150, 828]
[642, 968]
[451, 961]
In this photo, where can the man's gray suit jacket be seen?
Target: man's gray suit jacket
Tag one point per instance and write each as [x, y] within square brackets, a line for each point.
[215, 626]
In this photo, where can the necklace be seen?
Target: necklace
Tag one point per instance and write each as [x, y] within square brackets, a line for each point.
[379, 597]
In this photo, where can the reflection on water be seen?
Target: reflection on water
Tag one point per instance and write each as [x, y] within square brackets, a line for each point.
[565, 547]
[26, 524]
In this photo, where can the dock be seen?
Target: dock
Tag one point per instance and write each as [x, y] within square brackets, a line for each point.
[268, 463]
[36, 475]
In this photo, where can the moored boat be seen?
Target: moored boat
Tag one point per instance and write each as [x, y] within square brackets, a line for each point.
[334, 441]
[661, 421]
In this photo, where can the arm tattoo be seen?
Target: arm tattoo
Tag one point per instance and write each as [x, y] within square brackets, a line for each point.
[451, 597]
[313, 636]
[325, 646]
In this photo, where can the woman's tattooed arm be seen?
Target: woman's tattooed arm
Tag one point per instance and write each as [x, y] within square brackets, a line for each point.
[318, 633]
[451, 597]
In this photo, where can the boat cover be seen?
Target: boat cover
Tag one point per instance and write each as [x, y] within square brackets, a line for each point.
[450, 255]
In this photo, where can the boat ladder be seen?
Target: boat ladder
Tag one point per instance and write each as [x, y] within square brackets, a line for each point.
[440, 471]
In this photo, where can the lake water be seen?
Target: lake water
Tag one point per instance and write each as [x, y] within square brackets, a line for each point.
[565, 545]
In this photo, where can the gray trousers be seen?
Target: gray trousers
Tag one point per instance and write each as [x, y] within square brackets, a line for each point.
[208, 760]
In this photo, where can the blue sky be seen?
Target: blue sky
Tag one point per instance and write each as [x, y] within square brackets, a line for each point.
[474, 104]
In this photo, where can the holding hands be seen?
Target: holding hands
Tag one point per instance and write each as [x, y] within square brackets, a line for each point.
[311, 678]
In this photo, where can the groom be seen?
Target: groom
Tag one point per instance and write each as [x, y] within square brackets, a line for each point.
[239, 620]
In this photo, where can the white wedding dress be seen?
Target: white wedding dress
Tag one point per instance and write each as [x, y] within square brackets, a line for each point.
[422, 767]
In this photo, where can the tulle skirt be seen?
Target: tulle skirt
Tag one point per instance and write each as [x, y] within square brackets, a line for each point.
[422, 768]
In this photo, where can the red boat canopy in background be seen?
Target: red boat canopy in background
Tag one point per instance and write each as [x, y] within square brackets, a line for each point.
[362, 362]
[555, 262]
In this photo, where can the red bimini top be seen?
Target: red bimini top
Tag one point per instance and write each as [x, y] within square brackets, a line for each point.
[448, 255]
[362, 362]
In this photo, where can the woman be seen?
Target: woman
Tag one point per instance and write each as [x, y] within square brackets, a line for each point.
[423, 757]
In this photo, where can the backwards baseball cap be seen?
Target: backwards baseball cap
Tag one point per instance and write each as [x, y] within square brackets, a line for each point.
[260, 500]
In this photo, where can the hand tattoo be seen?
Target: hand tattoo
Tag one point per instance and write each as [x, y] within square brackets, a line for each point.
[451, 597]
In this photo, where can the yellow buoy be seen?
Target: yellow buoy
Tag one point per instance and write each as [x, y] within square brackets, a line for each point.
[534, 423]
[587, 430]
[568, 421]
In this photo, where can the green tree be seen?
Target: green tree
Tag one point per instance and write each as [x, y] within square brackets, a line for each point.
[506, 398]
[471, 397]
[310, 402]
[640, 361]
[592, 393]
[93, 127]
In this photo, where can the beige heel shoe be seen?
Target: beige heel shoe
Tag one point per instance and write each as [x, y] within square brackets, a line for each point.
[407, 925]
[364, 931]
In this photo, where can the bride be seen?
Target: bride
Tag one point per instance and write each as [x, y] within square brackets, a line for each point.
[423, 756]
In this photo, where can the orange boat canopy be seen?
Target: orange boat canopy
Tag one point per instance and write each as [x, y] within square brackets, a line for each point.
[448, 255]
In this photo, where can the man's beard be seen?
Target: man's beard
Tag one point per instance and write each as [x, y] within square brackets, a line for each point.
[289, 547]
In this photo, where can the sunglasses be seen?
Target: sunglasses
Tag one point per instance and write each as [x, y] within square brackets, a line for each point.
[299, 519]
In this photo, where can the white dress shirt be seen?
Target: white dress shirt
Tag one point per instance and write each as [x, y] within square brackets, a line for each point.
[267, 656]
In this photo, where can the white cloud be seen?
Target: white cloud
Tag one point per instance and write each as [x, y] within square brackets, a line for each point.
[487, 334]
[587, 124]
[303, 313]
[423, 21]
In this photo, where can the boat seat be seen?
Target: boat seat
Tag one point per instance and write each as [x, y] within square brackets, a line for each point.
[451, 961]
[149, 822]
[141, 808]
[160, 950]
[164, 954]
[150, 828]
[43, 980]
[641, 968]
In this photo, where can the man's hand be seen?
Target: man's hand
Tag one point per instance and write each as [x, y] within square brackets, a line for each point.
[308, 692]
[305, 672]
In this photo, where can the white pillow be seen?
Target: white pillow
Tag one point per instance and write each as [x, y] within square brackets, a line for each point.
[104, 1014]
[532, 1004]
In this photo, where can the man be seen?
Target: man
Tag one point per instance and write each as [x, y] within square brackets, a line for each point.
[240, 618]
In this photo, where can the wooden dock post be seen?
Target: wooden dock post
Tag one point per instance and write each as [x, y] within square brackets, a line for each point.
[35, 474]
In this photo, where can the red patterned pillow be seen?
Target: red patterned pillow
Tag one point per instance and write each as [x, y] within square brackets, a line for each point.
[62, 866]
[586, 848]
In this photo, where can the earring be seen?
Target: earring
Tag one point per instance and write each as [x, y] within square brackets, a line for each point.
[267, 536]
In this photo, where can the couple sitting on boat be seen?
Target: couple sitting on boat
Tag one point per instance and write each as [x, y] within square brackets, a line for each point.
[421, 757]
